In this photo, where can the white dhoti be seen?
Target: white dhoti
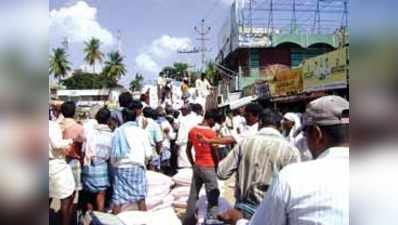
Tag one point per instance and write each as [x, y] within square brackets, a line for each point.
[61, 182]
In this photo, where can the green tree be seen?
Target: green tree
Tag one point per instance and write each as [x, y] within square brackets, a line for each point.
[181, 70]
[168, 72]
[194, 76]
[114, 67]
[178, 71]
[136, 84]
[83, 80]
[59, 64]
[93, 52]
[212, 74]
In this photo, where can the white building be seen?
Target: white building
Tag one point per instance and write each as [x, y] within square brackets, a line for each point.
[89, 98]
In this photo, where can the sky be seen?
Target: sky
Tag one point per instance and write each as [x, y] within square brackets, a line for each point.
[151, 30]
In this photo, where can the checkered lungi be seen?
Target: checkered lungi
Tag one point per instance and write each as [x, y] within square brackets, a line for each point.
[96, 177]
[129, 185]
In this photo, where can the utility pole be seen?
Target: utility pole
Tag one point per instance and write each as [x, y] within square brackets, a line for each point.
[345, 15]
[317, 18]
[251, 16]
[271, 18]
[203, 32]
[119, 41]
[293, 26]
[65, 44]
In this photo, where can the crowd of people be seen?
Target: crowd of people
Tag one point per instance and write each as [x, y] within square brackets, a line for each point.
[289, 169]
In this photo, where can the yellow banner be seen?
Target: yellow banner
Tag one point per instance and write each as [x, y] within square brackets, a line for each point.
[327, 71]
[286, 82]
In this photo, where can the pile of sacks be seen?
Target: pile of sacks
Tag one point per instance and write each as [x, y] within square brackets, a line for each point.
[159, 203]
[165, 216]
[180, 192]
[164, 193]
[182, 187]
[159, 187]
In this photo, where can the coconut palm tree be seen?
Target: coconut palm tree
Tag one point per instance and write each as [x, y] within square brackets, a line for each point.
[136, 84]
[93, 52]
[59, 64]
[212, 74]
[114, 67]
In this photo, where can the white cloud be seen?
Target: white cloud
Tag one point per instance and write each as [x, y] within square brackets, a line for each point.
[161, 52]
[78, 23]
[167, 45]
[227, 2]
[146, 63]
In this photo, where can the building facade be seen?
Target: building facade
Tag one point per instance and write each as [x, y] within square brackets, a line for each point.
[254, 52]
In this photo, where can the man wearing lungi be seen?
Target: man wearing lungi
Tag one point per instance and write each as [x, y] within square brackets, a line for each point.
[131, 150]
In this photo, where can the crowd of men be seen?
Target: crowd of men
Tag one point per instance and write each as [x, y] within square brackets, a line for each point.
[289, 169]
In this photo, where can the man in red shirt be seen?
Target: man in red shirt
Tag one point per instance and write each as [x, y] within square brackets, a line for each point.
[204, 168]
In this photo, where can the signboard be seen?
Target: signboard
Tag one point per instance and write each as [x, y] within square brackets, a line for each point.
[253, 40]
[270, 72]
[287, 82]
[259, 88]
[327, 71]
[234, 96]
[254, 62]
[262, 89]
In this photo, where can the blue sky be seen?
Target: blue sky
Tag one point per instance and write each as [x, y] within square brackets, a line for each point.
[151, 30]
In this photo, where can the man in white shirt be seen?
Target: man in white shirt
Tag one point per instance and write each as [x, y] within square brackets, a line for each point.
[188, 120]
[197, 111]
[154, 131]
[168, 136]
[61, 181]
[291, 122]
[203, 86]
[312, 192]
[131, 150]
[237, 121]
[251, 116]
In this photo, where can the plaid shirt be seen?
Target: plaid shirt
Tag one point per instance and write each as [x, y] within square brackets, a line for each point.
[255, 160]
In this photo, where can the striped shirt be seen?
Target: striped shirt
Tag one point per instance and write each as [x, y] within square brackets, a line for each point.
[309, 193]
[255, 159]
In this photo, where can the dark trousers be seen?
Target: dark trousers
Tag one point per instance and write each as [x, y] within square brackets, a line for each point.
[173, 158]
[208, 177]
